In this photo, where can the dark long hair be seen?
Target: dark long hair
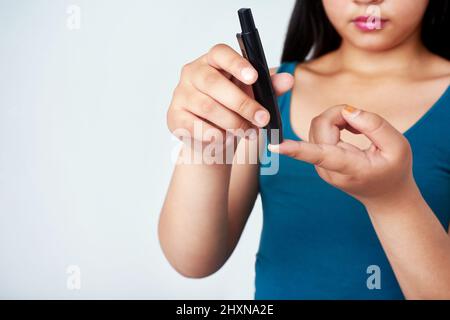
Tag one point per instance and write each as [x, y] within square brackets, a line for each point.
[310, 32]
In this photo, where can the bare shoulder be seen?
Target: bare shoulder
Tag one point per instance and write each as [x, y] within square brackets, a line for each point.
[439, 68]
[324, 66]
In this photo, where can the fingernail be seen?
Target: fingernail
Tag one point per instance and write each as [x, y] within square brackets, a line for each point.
[351, 111]
[248, 74]
[273, 148]
[261, 117]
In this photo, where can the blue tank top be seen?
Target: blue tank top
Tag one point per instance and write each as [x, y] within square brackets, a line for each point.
[317, 242]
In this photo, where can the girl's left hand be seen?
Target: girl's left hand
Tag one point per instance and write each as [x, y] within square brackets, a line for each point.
[381, 173]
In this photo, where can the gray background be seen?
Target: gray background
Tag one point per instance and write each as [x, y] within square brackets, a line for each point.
[85, 155]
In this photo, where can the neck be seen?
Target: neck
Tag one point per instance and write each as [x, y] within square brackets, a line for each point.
[399, 60]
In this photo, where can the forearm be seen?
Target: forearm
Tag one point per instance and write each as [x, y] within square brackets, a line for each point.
[416, 244]
[193, 228]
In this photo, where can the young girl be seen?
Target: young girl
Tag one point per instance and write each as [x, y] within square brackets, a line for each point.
[360, 206]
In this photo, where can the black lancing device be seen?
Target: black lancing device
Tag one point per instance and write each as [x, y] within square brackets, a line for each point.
[252, 50]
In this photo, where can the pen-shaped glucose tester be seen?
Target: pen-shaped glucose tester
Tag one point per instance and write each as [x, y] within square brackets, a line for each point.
[252, 50]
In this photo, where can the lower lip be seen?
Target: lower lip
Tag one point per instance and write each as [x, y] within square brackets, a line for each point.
[369, 26]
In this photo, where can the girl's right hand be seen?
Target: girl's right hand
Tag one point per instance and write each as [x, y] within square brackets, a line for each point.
[215, 94]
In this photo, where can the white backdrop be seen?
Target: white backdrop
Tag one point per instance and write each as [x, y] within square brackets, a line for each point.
[85, 154]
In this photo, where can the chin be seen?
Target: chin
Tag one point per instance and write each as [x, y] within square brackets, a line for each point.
[373, 44]
[375, 41]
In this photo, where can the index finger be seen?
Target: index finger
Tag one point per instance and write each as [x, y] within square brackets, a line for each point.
[328, 157]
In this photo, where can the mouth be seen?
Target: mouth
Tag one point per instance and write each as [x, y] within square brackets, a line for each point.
[369, 23]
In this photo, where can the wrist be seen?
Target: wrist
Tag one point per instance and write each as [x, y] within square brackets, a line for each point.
[399, 199]
[206, 153]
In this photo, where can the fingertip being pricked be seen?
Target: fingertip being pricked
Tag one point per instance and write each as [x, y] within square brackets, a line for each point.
[283, 147]
[274, 148]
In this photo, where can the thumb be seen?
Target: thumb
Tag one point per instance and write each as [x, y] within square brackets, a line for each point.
[382, 134]
[282, 82]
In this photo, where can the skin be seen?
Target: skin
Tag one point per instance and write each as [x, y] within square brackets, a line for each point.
[360, 150]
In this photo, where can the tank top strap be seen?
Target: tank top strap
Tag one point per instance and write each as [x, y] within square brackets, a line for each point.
[288, 67]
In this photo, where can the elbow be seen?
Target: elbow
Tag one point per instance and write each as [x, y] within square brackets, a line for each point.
[192, 267]
[189, 264]
[195, 273]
